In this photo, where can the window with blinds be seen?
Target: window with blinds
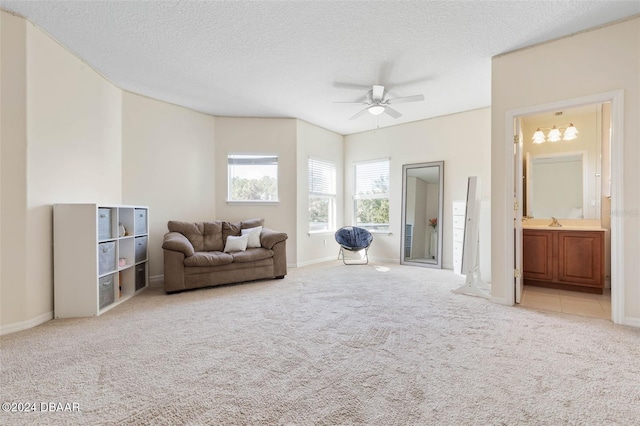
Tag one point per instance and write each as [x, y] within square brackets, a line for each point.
[371, 195]
[252, 177]
[322, 195]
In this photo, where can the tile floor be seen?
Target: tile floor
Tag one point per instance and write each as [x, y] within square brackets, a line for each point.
[570, 302]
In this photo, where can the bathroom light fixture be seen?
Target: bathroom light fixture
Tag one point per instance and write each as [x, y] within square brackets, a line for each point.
[376, 109]
[565, 133]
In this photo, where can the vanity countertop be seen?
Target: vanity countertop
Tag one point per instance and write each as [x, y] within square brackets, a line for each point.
[564, 227]
[567, 224]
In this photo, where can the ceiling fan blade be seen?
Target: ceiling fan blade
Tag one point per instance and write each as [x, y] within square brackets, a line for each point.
[377, 92]
[392, 112]
[352, 103]
[352, 86]
[358, 114]
[414, 98]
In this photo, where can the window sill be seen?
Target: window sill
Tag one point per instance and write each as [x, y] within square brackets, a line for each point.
[373, 231]
[313, 233]
[254, 203]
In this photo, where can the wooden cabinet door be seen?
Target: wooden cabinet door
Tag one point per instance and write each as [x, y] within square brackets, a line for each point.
[537, 260]
[580, 258]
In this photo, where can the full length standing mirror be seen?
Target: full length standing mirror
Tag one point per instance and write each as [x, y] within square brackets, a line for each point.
[422, 200]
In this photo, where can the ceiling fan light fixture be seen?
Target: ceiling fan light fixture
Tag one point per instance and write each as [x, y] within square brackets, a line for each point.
[376, 109]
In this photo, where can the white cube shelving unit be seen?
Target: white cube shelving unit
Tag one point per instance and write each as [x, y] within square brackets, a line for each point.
[95, 266]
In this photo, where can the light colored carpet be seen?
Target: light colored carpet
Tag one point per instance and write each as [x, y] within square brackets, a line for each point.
[381, 344]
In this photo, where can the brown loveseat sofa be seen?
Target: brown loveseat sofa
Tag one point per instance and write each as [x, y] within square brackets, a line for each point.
[194, 254]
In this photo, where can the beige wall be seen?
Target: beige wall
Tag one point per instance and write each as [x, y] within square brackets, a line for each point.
[66, 149]
[322, 144]
[168, 164]
[73, 150]
[259, 136]
[525, 78]
[13, 177]
[461, 140]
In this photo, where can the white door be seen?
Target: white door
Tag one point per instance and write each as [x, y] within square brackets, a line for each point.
[517, 210]
[528, 184]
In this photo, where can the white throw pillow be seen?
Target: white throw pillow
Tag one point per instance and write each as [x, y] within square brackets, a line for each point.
[236, 243]
[254, 236]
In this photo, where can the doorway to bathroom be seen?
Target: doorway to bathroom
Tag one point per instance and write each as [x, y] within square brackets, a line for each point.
[566, 182]
[596, 192]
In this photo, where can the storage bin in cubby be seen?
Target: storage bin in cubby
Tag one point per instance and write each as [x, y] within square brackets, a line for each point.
[106, 257]
[104, 224]
[140, 221]
[141, 276]
[141, 249]
[107, 290]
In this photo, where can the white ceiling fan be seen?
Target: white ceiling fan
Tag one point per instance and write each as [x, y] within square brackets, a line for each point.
[377, 102]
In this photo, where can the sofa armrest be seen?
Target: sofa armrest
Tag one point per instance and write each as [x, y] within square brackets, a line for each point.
[269, 238]
[176, 241]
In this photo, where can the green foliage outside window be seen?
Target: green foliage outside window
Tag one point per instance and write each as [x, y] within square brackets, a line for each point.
[263, 189]
[318, 209]
[374, 210]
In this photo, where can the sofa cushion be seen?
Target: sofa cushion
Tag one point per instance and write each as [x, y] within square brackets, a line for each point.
[251, 255]
[254, 236]
[252, 223]
[203, 236]
[208, 258]
[236, 243]
[193, 231]
[234, 228]
[230, 228]
[213, 236]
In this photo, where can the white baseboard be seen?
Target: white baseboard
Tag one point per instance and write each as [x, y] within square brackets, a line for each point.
[314, 261]
[156, 280]
[631, 321]
[501, 301]
[385, 259]
[24, 325]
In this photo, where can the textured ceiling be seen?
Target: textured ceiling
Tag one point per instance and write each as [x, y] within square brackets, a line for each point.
[295, 58]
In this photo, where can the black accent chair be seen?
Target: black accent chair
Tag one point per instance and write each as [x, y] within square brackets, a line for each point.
[354, 239]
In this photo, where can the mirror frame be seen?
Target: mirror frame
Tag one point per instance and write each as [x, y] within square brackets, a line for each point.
[405, 168]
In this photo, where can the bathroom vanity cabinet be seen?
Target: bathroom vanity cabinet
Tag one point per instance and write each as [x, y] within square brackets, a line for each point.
[565, 259]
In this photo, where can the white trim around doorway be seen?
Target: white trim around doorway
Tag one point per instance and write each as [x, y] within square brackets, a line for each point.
[616, 98]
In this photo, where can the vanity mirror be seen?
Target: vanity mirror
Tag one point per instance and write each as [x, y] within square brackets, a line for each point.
[422, 202]
[564, 178]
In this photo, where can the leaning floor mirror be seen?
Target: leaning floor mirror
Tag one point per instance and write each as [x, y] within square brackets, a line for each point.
[422, 200]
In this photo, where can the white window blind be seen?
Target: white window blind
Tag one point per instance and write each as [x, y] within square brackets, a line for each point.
[253, 160]
[322, 196]
[372, 178]
[322, 178]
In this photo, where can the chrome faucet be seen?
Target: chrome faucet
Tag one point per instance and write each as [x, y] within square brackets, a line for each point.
[554, 223]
